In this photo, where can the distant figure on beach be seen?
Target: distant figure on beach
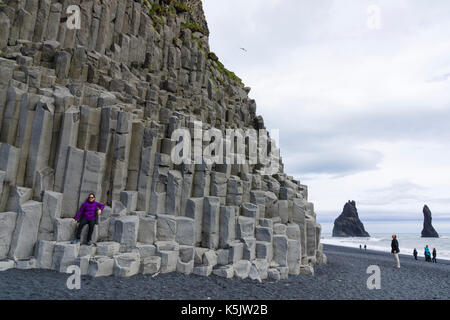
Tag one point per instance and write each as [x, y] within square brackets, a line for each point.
[395, 250]
[360, 247]
[365, 248]
[427, 254]
[434, 255]
[88, 215]
[415, 253]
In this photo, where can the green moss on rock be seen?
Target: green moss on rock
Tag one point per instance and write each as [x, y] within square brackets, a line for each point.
[229, 74]
[180, 7]
[194, 27]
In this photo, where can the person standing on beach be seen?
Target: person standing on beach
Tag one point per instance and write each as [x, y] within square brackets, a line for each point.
[427, 254]
[365, 248]
[434, 255]
[88, 215]
[395, 250]
[415, 253]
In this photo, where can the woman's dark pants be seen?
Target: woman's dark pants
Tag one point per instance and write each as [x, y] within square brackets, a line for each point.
[84, 222]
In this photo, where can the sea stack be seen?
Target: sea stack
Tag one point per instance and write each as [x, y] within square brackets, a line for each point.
[348, 223]
[428, 230]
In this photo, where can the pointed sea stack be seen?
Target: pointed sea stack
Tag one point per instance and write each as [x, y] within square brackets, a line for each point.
[348, 223]
[428, 230]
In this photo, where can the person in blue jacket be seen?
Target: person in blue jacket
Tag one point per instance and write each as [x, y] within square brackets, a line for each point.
[88, 215]
[427, 254]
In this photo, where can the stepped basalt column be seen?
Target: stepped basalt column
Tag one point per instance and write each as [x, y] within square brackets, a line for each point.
[94, 109]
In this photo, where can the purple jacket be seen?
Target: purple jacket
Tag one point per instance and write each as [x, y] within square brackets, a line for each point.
[88, 209]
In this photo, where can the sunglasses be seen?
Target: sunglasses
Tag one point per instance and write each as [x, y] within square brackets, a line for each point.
[91, 197]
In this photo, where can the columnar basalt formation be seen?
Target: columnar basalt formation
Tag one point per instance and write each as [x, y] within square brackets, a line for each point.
[94, 109]
[348, 223]
[428, 229]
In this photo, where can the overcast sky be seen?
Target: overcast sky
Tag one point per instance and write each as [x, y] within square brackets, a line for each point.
[362, 101]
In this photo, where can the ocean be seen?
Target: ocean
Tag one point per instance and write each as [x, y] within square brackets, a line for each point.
[407, 243]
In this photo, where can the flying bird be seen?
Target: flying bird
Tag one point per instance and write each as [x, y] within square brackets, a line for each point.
[243, 49]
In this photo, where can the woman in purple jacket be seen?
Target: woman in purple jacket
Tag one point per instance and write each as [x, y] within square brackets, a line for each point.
[88, 216]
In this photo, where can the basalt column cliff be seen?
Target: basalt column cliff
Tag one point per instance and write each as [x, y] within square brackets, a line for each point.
[93, 109]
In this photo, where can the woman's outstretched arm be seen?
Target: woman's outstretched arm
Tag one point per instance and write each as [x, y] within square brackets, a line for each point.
[100, 206]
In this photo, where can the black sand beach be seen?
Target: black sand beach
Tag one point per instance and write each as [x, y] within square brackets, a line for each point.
[344, 277]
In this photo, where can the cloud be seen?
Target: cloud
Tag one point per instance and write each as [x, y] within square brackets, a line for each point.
[335, 163]
[440, 78]
[365, 215]
[445, 201]
[362, 113]
[399, 191]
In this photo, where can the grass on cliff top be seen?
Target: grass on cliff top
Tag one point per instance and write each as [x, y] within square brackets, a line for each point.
[180, 7]
[174, 7]
[171, 7]
[159, 10]
[230, 74]
[195, 27]
[221, 68]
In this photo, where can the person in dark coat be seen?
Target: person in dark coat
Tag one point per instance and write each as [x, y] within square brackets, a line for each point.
[434, 255]
[395, 250]
[415, 253]
[88, 215]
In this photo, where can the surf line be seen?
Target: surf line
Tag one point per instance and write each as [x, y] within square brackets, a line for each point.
[193, 310]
